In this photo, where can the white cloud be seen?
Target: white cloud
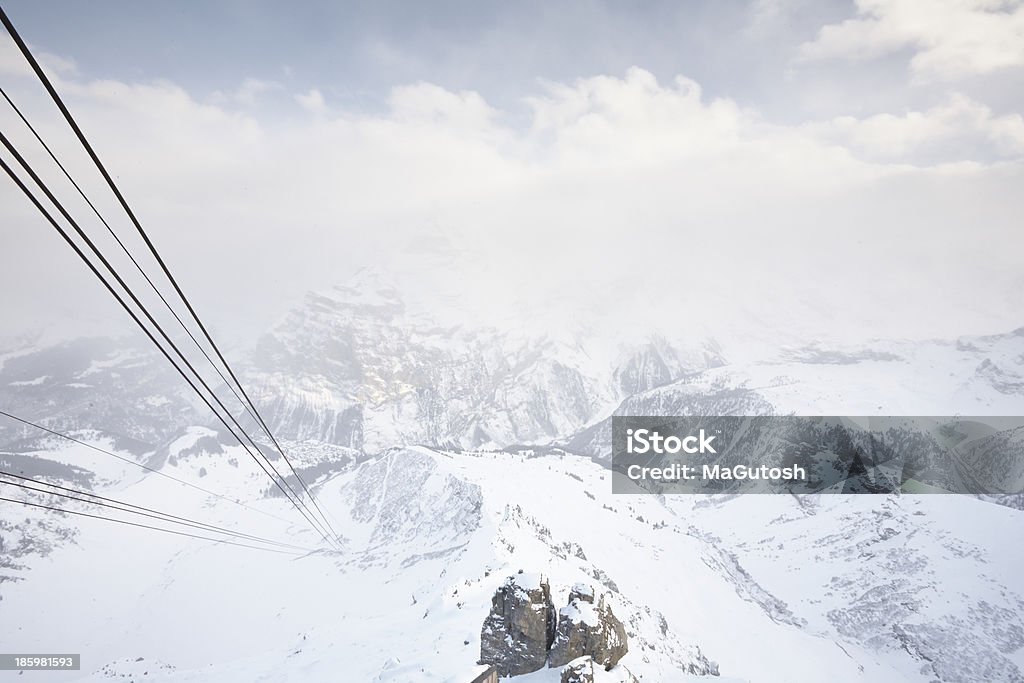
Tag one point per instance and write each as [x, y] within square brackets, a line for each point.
[248, 93]
[949, 38]
[12, 62]
[313, 102]
[619, 193]
[608, 120]
[425, 102]
[768, 15]
[954, 131]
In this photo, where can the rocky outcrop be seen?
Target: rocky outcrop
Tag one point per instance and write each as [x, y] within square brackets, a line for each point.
[520, 628]
[583, 670]
[579, 671]
[587, 629]
[522, 632]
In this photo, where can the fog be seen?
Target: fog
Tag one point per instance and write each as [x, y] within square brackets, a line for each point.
[605, 199]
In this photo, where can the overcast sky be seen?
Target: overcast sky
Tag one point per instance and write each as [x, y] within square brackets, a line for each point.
[840, 170]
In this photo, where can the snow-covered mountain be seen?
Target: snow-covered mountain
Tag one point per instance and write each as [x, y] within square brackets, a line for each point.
[982, 376]
[864, 588]
[355, 368]
[126, 391]
[358, 367]
[451, 457]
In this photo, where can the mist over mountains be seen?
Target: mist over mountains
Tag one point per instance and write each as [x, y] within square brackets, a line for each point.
[357, 366]
[453, 455]
[451, 252]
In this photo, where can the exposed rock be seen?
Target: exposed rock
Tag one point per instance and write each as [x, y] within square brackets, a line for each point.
[686, 658]
[579, 671]
[582, 670]
[586, 629]
[518, 632]
[581, 591]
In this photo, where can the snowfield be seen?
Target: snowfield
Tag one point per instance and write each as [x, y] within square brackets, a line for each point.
[761, 588]
[771, 588]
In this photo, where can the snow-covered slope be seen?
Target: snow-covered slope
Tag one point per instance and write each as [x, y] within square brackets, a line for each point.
[969, 376]
[417, 436]
[128, 392]
[865, 588]
[358, 366]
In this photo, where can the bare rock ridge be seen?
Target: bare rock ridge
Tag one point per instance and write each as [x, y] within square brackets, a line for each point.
[586, 629]
[520, 628]
[522, 632]
[582, 670]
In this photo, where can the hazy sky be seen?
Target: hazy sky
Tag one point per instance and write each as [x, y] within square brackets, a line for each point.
[845, 170]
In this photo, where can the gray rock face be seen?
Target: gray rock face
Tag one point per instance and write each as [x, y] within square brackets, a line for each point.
[579, 671]
[358, 367]
[582, 671]
[586, 629]
[520, 628]
[117, 387]
[658, 362]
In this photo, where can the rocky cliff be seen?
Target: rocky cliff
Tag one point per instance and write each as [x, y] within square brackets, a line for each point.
[518, 632]
[587, 629]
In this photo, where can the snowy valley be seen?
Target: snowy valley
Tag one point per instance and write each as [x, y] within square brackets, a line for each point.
[451, 459]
